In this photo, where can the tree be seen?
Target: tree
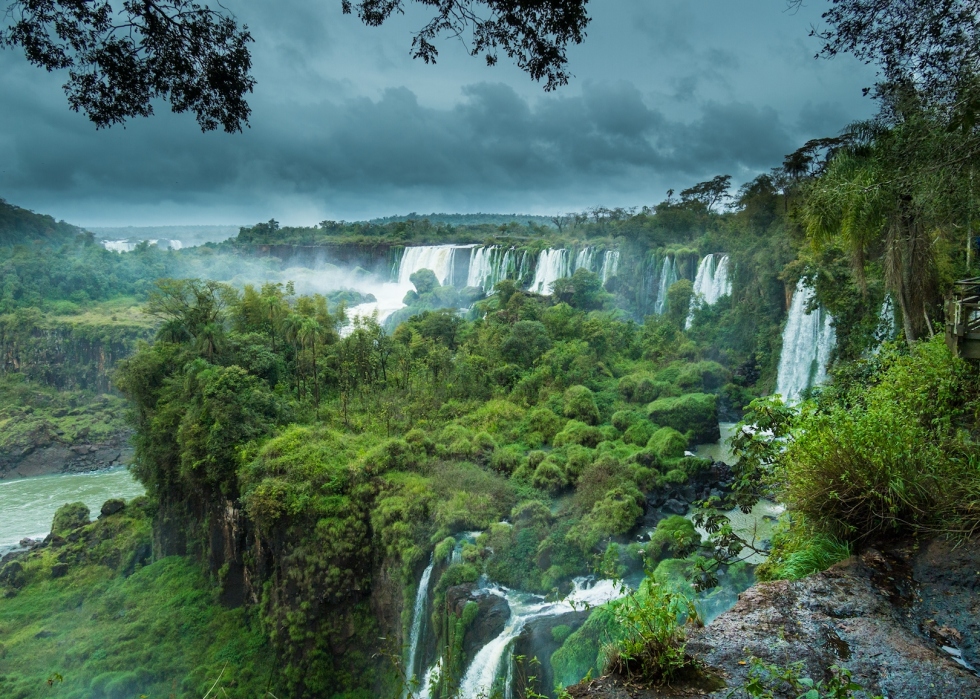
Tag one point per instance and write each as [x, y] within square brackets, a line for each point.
[121, 56]
[932, 46]
[709, 193]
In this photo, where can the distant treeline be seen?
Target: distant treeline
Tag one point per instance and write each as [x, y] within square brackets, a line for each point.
[19, 225]
[468, 219]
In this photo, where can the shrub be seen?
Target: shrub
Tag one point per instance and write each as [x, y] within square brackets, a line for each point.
[702, 376]
[576, 432]
[549, 476]
[672, 536]
[640, 433]
[580, 405]
[623, 419]
[545, 422]
[890, 456]
[444, 549]
[578, 458]
[694, 412]
[505, 459]
[69, 517]
[667, 443]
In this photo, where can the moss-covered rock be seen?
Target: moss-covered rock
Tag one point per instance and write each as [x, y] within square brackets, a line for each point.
[694, 412]
[667, 443]
[69, 517]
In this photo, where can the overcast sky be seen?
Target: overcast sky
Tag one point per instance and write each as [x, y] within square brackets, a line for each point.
[346, 125]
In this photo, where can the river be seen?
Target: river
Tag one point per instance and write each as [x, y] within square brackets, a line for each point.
[27, 505]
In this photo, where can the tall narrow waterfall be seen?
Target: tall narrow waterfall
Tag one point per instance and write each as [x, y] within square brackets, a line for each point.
[610, 265]
[552, 265]
[711, 283]
[668, 275]
[439, 258]
[488, 665]
[418, 623]
[808, 340]
[584, 258]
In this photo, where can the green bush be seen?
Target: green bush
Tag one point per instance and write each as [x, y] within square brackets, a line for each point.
[667, 443]
[69, 517]
[640, 433]
[890, 456]
[549, 476]
[505, 459]
[576, 432]
[580, 405]
[694, 412]
[444, 549]
[672, 535]
[622, 420]
[545, 422]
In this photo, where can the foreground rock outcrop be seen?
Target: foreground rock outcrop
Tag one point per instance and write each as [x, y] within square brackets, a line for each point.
[903, 620]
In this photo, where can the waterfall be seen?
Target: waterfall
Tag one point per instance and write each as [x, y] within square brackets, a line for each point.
[610, 265]
[584, 258]
[439, 258]
[489, 265]
[431, 676]
[710, 284]
[668, 275]
[487, 665]
[807, 342]
[418, 625]
[552, 265]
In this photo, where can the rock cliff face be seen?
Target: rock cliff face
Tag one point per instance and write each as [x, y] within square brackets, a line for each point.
[903, 620]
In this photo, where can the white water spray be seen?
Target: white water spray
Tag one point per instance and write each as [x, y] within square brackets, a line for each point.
[711, 283]
[808, 340]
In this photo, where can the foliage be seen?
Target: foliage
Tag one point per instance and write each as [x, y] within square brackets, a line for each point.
[890, 456]
[767, 681]
[69, 517]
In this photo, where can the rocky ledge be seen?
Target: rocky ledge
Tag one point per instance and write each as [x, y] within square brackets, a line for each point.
[904, 620]
[48, 454]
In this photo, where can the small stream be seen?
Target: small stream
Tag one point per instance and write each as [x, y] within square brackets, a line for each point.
[27, 505]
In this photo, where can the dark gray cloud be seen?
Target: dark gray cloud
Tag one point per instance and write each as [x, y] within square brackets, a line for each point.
[345, 125]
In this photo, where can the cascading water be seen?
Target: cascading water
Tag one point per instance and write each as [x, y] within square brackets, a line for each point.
[552, 266]
[584, 258]
[488, 664]
[668, 275]
[438, 258]
[710, 284]
[610, 265]
[418, 622]
[808, 340]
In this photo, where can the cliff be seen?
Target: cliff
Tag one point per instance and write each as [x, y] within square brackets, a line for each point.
[902, 619]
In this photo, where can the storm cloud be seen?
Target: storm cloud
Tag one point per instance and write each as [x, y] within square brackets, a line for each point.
[345, 126]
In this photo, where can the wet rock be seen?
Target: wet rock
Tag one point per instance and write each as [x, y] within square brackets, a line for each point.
[491, 617]
[903, 621]
[111, 507]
